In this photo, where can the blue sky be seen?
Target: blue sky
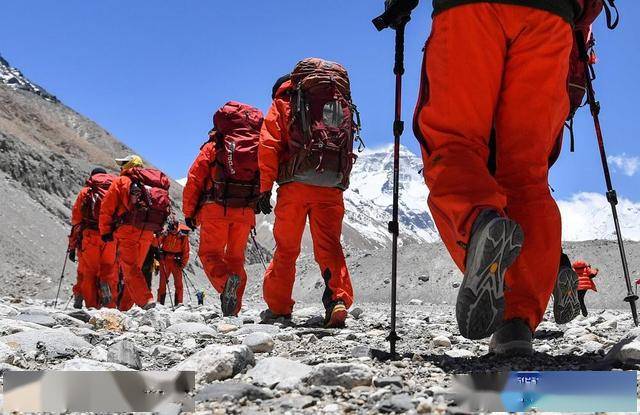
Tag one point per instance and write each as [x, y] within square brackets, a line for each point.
[152, 73]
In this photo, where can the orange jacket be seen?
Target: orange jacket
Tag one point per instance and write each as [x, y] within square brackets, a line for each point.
[202, 169]
[175, 244]
[585, 275]
[274, 138]
[116, 203]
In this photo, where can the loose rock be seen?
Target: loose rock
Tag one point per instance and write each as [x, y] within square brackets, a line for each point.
[347, 375]
[280, 372]
[259, 342]
[217, 362]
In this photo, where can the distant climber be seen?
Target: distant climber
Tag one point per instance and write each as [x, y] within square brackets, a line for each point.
[136, 205]
[173, 254]
[586, 274]
[97, 281]
[499, 227]
[220, 196]
[306, 146]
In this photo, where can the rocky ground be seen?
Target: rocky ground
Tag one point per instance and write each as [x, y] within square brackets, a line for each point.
[245, 367]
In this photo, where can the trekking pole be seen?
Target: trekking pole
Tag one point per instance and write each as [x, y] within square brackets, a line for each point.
[68, 301]
[396, 16]
[255, 243]
[64, 266]
[166, 282]
[612, 196]
[184, 276]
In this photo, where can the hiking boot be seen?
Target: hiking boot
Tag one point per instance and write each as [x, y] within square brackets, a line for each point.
[495, 244]
[77, 301]
[149, 305]
[512, 338]
[229, 296]
[269, 317]
[566, 305]
[336, 316]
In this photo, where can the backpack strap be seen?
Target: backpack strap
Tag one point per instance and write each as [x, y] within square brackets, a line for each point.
[608, 6]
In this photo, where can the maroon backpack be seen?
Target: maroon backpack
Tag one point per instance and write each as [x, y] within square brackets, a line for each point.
[149, 198]
[322, 128]
[236, 181]
[98, 185]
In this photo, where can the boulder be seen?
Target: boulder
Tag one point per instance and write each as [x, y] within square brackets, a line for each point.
[347, 375]
[107, 319]
[55, 342]
[259, 342]
[279, 371]
[216, 362]
[10, 326]
[124, 353]
[41, 318]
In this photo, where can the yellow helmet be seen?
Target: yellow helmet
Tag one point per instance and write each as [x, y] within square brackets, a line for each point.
[129, 162]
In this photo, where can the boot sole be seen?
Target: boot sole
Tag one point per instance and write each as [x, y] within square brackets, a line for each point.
[229, 298]
[566, 307]
[338, 317]
[480, 302]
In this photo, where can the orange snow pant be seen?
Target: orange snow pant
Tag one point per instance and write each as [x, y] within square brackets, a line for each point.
[325, 209]
[224, 233]
[96, 264]
[132, 247]
[169, 266]
[504, 66]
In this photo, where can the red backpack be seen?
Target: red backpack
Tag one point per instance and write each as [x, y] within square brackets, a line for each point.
[581, 58]
[322, 128]
[236, 134]
[149, 198]
[98, 185]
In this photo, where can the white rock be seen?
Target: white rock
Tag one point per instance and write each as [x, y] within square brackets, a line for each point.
[99, 353]
[192, 329]
[10, 326]
[189, 343]
[125, 353]
[146, 329]
[347, 375]
[441, 341]
[108, 319]
[259, 342]
[184, 316]
[457, 353]
[280, 372]
[217, 362]
[226, 328]
[415, 301]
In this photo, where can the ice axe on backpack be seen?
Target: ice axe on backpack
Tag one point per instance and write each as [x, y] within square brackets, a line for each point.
[612, 198]
[255, 243]
[396, 15]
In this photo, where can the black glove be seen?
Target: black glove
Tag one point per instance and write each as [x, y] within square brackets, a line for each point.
[264, 203]
[105, 293]
[178, 259]
[191, 223]
[72, 255]
[107, 237]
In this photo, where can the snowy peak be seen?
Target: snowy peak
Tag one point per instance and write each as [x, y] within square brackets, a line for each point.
[13, 78]
[369, 199]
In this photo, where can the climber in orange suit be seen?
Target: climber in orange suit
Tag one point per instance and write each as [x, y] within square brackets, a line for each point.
[173, 251]
[502, 65]
[297, 201]
[132, 242]
[224, 231]
[97, 280]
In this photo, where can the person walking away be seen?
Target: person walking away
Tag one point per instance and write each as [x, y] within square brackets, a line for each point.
[497, 228]
[306, 146]
[136, 205]
[586, 274]
[97, 282]
[220, 196]
[173, 254]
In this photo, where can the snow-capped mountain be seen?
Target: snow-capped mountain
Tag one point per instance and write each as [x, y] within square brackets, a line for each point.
[368, 202]
[16, 80]
[585, 216]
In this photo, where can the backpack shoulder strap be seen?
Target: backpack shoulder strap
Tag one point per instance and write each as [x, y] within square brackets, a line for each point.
[608, 6]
